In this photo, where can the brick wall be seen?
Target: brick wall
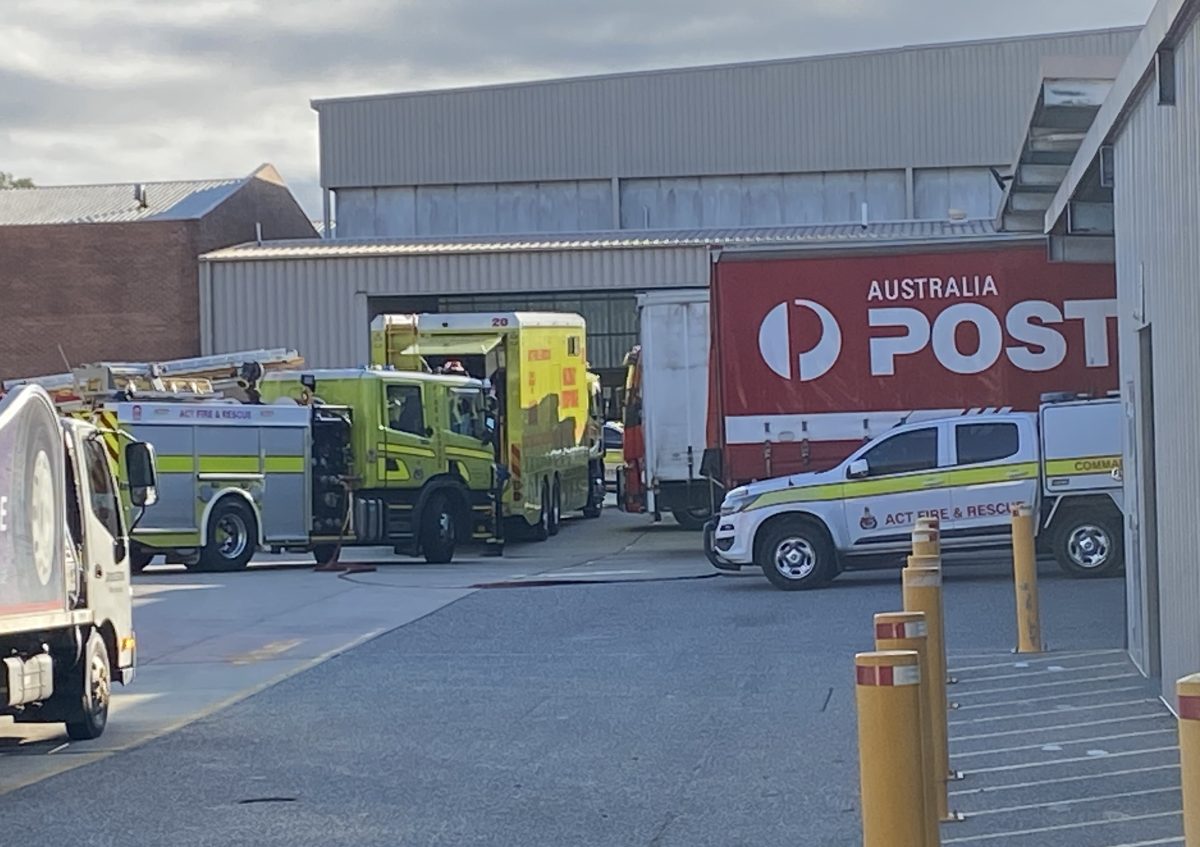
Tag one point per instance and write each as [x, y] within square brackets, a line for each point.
[102, 291]
[262, 201]
[121, 291]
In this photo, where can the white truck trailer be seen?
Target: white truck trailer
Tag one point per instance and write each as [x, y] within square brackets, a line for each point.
[66, 618]
[666, 410]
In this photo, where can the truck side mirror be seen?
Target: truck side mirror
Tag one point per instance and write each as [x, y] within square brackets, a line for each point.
[858, 469]
[139, 470]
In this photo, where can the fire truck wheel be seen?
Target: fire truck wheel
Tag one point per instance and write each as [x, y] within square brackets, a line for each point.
[439, 530]
[556, 507]
[139, 558]
[796, 554]
[1088, 544]
[541, 530]
[595, 501]
[232, 536]
[87, 693]
[692, 517]
[327, 554]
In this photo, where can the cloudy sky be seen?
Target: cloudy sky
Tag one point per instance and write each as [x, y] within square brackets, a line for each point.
[141, 90]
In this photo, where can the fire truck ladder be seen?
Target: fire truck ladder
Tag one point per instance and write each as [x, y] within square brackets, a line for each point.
[231, 376]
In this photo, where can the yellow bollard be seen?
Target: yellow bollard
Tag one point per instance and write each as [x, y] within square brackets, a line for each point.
[891, 776]
[925, 561]
[906, 631]
[923, 593]
[1029, 627]
[926, 542]
[1188, 690]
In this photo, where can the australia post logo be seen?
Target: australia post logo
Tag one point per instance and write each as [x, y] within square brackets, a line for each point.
[1028, 334]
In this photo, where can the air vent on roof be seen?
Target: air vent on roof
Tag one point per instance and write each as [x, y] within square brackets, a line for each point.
[139, 196]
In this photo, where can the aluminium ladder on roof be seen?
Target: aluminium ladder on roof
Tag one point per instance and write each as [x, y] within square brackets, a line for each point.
[194, 378]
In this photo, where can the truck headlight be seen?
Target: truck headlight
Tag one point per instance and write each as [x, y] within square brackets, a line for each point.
[737, 501]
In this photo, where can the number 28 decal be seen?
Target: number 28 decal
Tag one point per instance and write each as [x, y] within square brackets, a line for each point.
[499, 321]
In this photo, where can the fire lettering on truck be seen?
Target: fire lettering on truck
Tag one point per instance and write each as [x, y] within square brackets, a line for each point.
[981, 510]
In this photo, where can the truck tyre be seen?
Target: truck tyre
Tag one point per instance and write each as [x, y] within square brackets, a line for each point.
[232, 536]
[139, 559]
[555, 507]
[88, 691]
[692, 517]
[796, 554]
[1088, 544]
[595, 501]
[439, 530]
[541, 530]
[327, 554]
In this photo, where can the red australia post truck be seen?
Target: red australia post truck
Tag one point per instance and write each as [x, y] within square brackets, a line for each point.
[812, 355]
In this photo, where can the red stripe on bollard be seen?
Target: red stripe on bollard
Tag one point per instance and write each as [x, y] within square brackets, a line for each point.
[1189, 708]
[887, 676]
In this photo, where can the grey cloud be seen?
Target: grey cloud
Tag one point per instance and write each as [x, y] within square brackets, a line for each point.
[262, 62]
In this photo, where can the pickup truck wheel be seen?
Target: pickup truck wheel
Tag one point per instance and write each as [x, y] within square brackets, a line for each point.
[232, 536]
[1088, 545]
[88, 692]
[439, 530]
[556, 508]
[692, 517]
[796, 555]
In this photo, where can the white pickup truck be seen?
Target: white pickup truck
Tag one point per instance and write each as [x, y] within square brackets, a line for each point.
[66, 607]
[969, 471]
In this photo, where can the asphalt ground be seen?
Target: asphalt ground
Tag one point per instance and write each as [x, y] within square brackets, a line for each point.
[647, 703]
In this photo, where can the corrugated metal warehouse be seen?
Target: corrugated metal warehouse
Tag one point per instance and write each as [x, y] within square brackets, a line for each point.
[578, 193]
[1139, 159]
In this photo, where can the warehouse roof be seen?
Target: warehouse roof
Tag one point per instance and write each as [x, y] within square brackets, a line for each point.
[121, 202]
[928, 106]
[815, 236]
[1083, 180]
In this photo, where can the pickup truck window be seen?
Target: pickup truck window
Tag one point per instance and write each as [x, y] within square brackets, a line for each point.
[985, 442]
[916, 450]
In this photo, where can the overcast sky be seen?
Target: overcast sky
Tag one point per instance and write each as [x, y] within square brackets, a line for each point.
[142, 90]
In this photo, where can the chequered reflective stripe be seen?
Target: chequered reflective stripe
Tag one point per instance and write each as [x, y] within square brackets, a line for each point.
[514, 469]
[107, 421]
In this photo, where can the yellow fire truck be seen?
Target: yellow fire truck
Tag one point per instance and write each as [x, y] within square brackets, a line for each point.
[547, 403]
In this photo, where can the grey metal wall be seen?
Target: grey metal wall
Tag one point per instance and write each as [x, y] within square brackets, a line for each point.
[321, 306]
[664, 203]
[1157, 207]
[938, 106]
[438, 210]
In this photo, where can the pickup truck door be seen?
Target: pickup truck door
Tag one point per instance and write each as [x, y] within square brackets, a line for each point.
[995, 467]
[906, 479]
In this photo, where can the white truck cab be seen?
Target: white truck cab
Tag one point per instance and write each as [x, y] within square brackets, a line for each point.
[969, 471]
[66, 613]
